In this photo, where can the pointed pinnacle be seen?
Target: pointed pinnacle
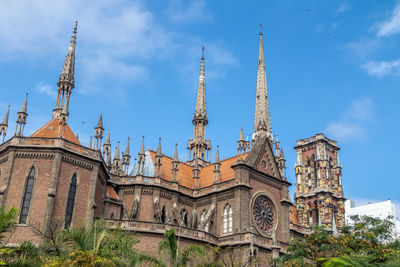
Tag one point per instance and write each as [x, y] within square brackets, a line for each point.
[107, 142]
[116, 155]
[142, 146]
[127, 147]
[100, 122]
[241, 137]
[202, 54]
[176, 153]
[217, 155]
[65, 109]
[196, 164]
[24, 106]
[159, 147]
[90, 143]
[67, 72]
[201, 91]
[5, 120]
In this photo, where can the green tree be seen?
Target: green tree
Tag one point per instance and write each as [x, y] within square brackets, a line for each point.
[368, 243]
[169, 250]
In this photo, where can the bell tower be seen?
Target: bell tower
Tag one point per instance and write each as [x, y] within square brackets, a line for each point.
[318, 194]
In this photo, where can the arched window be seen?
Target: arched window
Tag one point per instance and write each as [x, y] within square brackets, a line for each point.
[112, 215]
[71, 201]
[26, 202]
[163, 214]
[227, 219]
[309, 214]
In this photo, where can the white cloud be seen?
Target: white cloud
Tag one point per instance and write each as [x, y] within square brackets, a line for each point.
[342, 8]
[382, 68]
[187, 11]
[45, 89]
[391, 25]
[116, 40]
[352, 126]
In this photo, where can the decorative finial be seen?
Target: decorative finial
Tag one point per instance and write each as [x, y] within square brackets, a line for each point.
[202, 54]
[260, 29]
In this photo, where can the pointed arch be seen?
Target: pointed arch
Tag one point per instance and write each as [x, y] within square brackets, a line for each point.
[26, 200]
[227, 220]
[71, 201]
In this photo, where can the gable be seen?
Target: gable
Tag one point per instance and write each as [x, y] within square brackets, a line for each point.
[261, 157]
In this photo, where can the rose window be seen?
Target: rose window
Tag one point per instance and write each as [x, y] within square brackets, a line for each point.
[263, 213]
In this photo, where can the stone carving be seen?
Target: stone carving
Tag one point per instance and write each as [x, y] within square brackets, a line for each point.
[208, 216]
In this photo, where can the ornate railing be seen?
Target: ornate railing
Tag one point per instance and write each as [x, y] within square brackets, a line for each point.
[141, 226]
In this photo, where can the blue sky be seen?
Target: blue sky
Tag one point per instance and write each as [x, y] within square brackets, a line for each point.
[332, 67]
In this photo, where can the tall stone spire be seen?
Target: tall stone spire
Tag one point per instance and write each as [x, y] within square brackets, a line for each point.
[141, 158]
[4, 124]
[199, 147]
[262, 121]
[66, 81]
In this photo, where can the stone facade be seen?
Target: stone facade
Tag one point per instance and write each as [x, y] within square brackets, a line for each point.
[240, 202]
[319, 196]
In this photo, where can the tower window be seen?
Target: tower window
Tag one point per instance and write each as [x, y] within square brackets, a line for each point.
[27, 196]
[70, 202]
[227, 219]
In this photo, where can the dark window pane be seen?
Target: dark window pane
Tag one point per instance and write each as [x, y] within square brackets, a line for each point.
[26, 201]
[70, 202]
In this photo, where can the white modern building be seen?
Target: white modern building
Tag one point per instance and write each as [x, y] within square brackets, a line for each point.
[380, 210]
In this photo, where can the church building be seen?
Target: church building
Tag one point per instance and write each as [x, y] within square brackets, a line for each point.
[242, 201]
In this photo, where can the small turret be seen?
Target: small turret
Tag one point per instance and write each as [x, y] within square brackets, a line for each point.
[126, 159]
[98, 133]
[22, 116]
[141, 158]
[107, 150]
[116, 166]
[217, 167]
[158, 162]
[4, 124]
[280, 158]
[241, 145]
[175, 165]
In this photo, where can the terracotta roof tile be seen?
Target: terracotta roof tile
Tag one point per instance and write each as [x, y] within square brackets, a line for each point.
[111, 193]
[50, 130]
[185, 174]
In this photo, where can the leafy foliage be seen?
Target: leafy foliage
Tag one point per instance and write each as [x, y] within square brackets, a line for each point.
[368, 243]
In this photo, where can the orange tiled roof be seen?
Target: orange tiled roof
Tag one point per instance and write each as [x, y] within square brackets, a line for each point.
[111, 193]
[50, 130]
[293, 215]
[185, 173]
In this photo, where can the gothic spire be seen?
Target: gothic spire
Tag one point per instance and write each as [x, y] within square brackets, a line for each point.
[107, 142]
[176, 153]
[24, 106]
[100, 122]
[127, 148]
[201, 109]
[217, 155]
[159, 153]
[261, 115]
[67, 72]
[142, 146]
[5, 120]
[241, 137]
[4, 124]
[116, 155]
[66, 81]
